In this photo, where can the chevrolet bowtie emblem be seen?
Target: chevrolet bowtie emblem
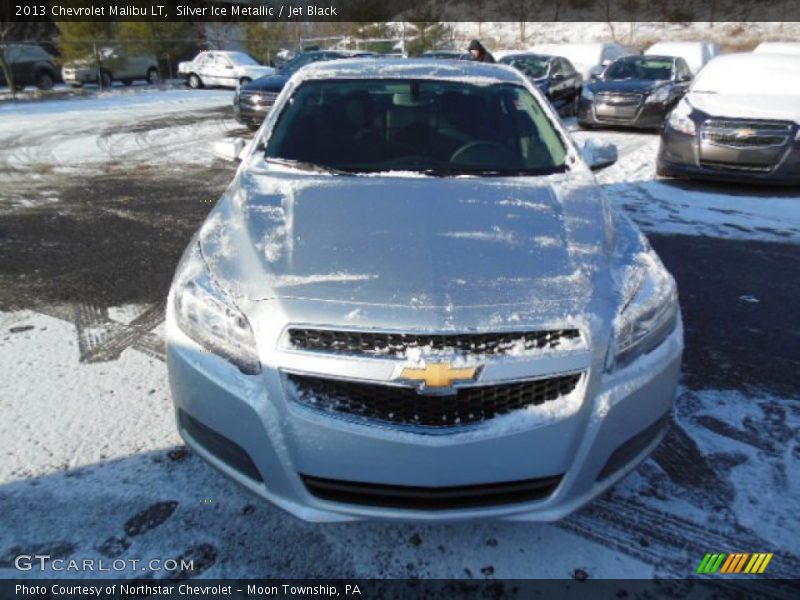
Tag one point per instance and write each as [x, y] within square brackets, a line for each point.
[744, 132]
[438, 375]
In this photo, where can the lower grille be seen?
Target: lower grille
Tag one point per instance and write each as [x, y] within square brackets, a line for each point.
[405, 406]
[431, 498]
[724, 166]
[746, 134]
[397, 345]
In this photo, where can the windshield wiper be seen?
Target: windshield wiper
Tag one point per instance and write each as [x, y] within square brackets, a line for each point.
[305, 166]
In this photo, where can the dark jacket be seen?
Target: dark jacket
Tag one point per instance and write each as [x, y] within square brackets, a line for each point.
[483, 54]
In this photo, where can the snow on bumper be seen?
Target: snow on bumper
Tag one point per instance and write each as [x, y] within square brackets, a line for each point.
[617, 423]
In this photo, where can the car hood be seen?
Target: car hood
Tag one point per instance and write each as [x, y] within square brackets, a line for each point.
[270, 83]
[641, 86]
[748, 106]
[409, 241]
[254, 70]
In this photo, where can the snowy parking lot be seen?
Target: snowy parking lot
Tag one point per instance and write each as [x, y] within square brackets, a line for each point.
[99, 196]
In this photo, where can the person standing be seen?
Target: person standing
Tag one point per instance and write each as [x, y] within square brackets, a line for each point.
[479, 53]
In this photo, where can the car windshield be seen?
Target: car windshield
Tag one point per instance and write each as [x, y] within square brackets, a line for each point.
[242, 59]
[429, 126]
[534, 67]
[639, 67]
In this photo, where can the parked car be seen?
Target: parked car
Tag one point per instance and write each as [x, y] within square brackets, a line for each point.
[487, 338]
[30, 65]
[252, 101]
[555, 77]
[739, 122]
[588, 58]
[778, 48]
[696, 54]
[634, 91]
[111, 64]
[222, 68]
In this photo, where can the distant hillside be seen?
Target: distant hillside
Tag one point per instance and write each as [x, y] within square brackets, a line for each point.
[732, 36]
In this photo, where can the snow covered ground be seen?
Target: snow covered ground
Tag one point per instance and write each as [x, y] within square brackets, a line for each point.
[92, 465]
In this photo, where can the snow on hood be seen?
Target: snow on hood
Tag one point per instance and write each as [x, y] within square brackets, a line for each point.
[748, 106]
[408, 241]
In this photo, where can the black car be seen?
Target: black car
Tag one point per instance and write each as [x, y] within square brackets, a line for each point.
[30, 65]
[252, 101]
[447, 55]
[555, 77]
[634, 91]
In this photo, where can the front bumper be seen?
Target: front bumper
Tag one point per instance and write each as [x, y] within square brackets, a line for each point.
[290, 448]
[79, 76]
[682, 155]
[649, 115]
[249, 112]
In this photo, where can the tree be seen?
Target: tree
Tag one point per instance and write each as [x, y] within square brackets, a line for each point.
[264, 39]
[425, 31]
[164, 40]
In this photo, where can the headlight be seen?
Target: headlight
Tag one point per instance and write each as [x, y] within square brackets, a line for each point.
[679, 118]
[205, 314]
[660, 95]
[648, 315]
[587, 93]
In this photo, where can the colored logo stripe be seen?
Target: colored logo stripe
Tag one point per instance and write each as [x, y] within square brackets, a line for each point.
[734, 563]
[710, 563]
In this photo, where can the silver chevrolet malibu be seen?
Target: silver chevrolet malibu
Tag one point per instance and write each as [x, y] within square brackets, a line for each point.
[414, 302]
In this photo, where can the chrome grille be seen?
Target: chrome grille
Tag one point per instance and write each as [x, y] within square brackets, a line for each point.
[620, 98]
[746, 134]
[257, 99]
[405, 406]
[397, 345]
[618, 105]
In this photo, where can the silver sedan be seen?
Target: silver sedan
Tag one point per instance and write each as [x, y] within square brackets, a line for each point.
[414, 303]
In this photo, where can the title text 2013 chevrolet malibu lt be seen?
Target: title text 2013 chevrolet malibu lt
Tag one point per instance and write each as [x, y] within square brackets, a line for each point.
[414, 303]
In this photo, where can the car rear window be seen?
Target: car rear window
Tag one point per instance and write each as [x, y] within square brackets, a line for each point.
[431, 126]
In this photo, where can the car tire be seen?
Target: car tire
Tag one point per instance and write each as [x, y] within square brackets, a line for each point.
[662, 170]
[576, 103]
[153, 76]
[194, 82]
[45, 81]
[105, 79]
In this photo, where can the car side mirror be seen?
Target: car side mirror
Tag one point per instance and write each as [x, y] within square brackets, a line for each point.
[557, 76]
[231, 150]
[598, 155]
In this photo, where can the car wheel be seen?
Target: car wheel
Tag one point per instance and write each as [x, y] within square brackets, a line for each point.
[194, 82]
[153, 76]
[44, 81]
[662, 170]
[105, 79]
[576, 103]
